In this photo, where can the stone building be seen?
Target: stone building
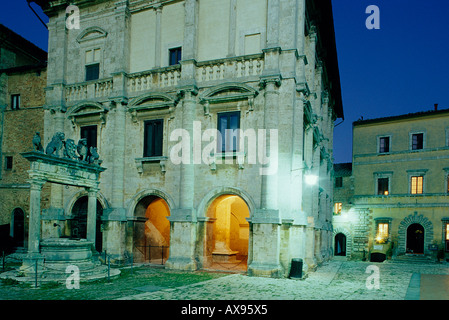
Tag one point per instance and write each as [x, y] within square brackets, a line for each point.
[210, 116]
[22, 82]
[398, 204]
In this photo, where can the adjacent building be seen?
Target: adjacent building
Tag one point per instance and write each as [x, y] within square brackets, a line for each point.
[23, 80]
[398, 188]
[214, 120]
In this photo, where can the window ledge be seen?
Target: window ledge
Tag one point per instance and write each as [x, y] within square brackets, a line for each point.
[161, 159]
[240, 156]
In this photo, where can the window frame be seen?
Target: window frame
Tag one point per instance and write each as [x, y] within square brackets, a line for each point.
[340, 184]
[417, 182]
[151, 150]
[9, 163]
[379, 139]
[221, 139]
[423, 142]
[178, 58]
[84, 130]
[15, 101]
[379, 193]
[338, 208]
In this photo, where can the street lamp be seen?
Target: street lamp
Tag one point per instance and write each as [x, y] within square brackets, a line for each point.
[311, 179]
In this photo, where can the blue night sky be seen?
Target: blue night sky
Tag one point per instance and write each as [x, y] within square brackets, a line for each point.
[401, 68]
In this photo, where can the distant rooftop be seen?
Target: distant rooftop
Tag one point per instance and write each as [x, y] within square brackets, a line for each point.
[343, 169]
[436, 111]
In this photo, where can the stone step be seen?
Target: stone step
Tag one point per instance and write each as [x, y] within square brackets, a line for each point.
[418, 259]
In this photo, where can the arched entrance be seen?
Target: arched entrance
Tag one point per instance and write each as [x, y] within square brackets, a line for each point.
[415, 239]
[151, 230]
[78, 224]
[340, 245]
[227, 234]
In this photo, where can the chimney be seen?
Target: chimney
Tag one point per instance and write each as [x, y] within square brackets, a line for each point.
[436, 106]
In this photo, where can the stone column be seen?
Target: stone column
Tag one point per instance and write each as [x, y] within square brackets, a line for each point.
[34, 231]
[183, 219]
[92, 214]
[34, 258]
[157, 46]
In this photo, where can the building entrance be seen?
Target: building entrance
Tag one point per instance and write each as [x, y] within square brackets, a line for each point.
[415, 239]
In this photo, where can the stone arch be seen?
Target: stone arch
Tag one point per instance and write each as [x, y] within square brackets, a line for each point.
[83, 193]
[219, 191]
[226, 233]
[150, 210]
[149, 192]
[91, 33]
[348, 236]
[408, 221]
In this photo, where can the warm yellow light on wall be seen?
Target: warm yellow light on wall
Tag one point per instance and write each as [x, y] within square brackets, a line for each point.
[447, 231]
[382, 232]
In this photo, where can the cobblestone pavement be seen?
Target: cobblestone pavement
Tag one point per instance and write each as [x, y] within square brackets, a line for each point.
[334, 280]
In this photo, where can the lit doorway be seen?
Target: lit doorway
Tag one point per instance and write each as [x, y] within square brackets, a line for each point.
[227, 234]
[78, 223]
[340, 245]
[415, 239]
[151, 231]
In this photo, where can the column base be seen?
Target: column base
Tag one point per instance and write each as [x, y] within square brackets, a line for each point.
[257, 269]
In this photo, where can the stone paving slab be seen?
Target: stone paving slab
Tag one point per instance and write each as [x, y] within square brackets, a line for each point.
[334, 280]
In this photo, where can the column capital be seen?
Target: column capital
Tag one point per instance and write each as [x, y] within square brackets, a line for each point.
[92, 191]
[36, 183]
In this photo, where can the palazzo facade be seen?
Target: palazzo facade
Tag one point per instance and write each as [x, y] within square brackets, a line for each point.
[392, 202]
[214, 120]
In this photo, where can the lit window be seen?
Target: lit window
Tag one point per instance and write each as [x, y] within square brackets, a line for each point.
[417, 185]
[417, 141]
[447, 232]
[337, 208]
[382, 232]
[384, 144]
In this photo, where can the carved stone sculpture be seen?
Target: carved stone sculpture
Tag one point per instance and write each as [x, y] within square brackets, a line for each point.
[56, 144]
[94, 156]
[70, 149]
[82, 149]
[37, 143]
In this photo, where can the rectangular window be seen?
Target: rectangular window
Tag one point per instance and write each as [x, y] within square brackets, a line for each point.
[175, 55]
[382, 232]
[417, 141]
[92, 72]
[416, 186]
[337, 208]
[15, 101]
[447, 232]
[90, 134]
[153, 138]
[338, 182]
[384, 144]
[382, 186]
[8, 163]
[228, 125]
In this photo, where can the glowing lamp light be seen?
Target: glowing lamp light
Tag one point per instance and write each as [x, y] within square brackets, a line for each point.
[311, 179]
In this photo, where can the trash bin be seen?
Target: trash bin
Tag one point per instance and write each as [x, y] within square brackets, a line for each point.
[296, 269]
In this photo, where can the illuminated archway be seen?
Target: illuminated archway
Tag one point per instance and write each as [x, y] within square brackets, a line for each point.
[151, 230]
[227, 234]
